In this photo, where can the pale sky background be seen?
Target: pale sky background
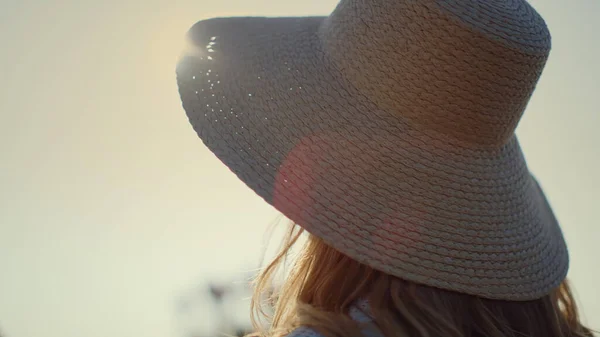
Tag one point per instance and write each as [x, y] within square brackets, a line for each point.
[111, 207]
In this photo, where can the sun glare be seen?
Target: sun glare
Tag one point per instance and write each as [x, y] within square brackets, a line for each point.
[171, 43]
[188, 48]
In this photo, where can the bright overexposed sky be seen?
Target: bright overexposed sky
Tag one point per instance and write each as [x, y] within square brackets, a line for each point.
[111, 208]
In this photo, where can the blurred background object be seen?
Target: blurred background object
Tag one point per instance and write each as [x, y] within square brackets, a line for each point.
[228, 309]
[115, 219]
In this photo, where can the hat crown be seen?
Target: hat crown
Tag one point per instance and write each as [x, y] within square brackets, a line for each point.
[463, 68]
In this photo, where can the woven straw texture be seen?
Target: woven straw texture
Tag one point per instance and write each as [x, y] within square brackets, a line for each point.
[387, 129]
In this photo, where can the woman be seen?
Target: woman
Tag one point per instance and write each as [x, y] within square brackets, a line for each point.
[330, 294]
[387, 131]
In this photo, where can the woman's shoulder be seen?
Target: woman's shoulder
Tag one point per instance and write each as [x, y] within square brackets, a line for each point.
[304, 331]
[360, 312]
[356, 313]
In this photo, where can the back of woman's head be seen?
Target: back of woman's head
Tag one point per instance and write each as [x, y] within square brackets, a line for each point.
[324, 285]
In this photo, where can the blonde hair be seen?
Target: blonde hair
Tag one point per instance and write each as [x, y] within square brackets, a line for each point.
[324, 284]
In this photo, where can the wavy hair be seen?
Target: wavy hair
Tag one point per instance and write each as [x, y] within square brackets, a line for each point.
[323, 284]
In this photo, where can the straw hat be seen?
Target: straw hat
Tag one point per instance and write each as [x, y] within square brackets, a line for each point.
[388, 130]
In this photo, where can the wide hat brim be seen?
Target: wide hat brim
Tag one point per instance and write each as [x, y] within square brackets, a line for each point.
[265, 98]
